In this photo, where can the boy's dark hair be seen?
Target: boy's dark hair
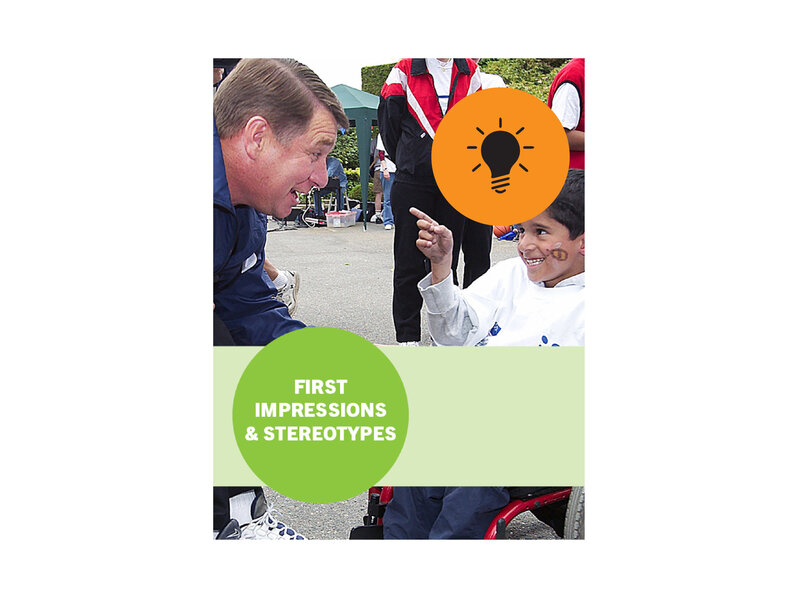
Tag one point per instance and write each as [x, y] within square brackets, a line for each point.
[567, 208]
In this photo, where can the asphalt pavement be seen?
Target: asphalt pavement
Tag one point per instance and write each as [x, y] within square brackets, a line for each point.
[346, 282]
[346, 276]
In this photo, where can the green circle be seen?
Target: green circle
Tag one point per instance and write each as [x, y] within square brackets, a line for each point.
[320, 414]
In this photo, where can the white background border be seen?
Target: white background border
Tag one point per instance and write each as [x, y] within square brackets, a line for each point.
[106, 241]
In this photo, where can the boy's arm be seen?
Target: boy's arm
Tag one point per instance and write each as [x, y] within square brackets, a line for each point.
[451, 319]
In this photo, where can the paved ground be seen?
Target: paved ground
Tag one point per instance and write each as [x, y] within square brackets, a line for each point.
[346, 276]
[346, 282]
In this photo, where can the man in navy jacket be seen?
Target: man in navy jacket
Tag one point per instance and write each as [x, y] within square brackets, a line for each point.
[275, 122]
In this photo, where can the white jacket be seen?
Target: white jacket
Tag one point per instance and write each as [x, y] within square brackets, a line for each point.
[505, 308]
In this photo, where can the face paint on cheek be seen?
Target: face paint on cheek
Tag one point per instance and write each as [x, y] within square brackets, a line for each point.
[559, 253]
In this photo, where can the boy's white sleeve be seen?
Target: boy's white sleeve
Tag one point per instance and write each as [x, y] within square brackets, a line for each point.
[452, 320]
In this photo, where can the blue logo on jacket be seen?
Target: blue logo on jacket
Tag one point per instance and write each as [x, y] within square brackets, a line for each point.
[545, 342]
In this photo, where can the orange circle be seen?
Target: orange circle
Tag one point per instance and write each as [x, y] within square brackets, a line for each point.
[474, 160]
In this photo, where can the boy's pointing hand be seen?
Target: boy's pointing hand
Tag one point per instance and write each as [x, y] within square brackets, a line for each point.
[434, 241]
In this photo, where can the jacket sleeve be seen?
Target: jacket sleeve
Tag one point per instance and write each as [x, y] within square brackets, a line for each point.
[244, 296]
[392, 108]
[453, 319]
[251, 310]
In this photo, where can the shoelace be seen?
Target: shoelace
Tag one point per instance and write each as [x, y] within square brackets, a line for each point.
[268, 527]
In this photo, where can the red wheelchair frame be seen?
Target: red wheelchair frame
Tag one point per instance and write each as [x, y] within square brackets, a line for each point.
[550, 505]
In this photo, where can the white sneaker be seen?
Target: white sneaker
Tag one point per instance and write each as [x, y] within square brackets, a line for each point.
[408, 344]
[388, 227]
[376, 218]
[288, 293]
[267, 527]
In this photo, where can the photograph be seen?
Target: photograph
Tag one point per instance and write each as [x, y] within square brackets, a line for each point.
[332, 210]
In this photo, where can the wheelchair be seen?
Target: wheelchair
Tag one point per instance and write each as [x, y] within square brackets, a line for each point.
[562, 508]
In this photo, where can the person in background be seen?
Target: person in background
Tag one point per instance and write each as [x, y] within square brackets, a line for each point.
[414, 99]
[387, 170]
[334, 168]
[567, 101]
[377, 186]
[476, 242]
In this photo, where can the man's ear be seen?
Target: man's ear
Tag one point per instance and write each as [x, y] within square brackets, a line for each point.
[256, 135]
[582, 250]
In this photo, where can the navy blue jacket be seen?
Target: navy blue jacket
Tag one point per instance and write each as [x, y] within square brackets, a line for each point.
[244, 296]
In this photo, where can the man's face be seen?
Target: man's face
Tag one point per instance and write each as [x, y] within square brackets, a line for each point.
[295, 166]
[548, 253]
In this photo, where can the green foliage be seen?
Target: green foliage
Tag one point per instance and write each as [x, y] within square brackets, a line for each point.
[353, 176]
[354, 185]
[532, 75]
[346, 149]
[354, 191]
[373, 78]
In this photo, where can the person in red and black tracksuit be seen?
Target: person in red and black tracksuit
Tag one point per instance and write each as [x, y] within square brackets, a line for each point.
[417, 94]
[567, 100]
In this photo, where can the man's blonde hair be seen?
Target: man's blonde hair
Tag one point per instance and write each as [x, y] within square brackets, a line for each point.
[283, 91]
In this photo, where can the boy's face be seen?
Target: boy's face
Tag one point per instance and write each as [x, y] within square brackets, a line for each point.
[547, 251]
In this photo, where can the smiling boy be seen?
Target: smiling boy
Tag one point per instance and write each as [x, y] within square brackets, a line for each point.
[536, 299]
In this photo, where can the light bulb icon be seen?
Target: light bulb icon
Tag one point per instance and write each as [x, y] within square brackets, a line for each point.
[500, 149]
[484, 160]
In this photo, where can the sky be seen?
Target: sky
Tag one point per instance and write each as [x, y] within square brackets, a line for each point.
[334, 70]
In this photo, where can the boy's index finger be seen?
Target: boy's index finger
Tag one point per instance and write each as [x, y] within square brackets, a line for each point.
[424, 221]
[420, 215]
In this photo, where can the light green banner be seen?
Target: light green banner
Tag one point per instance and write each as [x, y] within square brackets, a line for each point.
[477, 416]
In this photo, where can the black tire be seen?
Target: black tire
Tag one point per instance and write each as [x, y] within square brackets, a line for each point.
[553, 515]
[576, 515]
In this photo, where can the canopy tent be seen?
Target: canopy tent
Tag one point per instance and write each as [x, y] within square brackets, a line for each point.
[362, 110]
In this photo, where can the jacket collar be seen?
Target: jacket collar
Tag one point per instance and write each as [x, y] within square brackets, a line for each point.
[418, 66]
[578, 280]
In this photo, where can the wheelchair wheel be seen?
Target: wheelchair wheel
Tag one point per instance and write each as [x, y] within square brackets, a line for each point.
[553, 515]
[576, 515]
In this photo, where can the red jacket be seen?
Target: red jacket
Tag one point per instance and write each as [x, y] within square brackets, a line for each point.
[572, 73]
[409, 113]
